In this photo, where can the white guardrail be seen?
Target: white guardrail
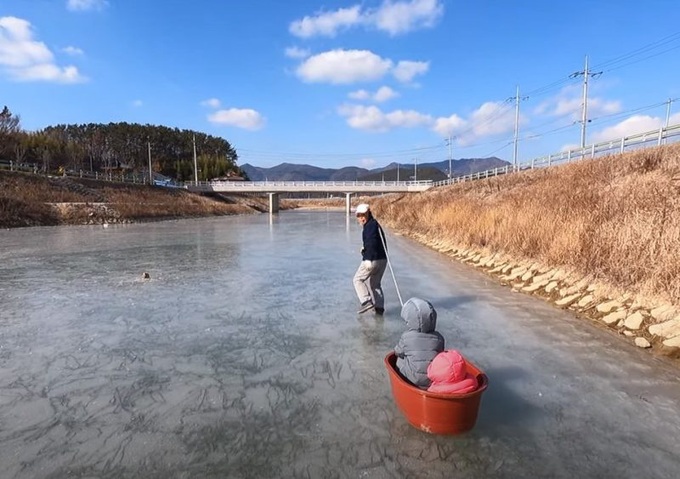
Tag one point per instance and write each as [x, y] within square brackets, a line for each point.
[310, 186]
[641, 140]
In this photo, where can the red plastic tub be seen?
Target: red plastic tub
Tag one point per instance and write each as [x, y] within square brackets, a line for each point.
[436, 413]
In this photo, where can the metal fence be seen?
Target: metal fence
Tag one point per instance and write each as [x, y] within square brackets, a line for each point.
[134, 178]
[633, 142]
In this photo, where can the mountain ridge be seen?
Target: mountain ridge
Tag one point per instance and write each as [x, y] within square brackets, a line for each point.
[424, 171]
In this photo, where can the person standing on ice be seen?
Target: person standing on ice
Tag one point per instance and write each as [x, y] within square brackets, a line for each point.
[368, 277]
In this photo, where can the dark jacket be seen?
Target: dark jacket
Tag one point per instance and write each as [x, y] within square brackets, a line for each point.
[373, 237]
[420, 343]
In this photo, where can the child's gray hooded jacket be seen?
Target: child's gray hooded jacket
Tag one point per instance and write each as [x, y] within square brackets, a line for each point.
[420, 343]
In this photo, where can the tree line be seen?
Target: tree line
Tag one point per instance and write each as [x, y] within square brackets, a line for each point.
[120, 147]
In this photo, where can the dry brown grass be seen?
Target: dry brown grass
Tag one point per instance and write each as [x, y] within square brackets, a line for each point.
[30, 200]
[616, 219]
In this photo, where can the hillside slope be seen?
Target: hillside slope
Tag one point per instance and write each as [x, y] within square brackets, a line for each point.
[35, 200]
[598, 236]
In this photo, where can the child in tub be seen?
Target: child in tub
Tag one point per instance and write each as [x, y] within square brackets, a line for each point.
[448, 374]
[420, 343]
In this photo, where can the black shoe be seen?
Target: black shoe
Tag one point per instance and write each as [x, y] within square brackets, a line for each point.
[365, 306]
[380, 311]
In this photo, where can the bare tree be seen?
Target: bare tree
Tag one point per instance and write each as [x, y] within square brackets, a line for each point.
[10, 128]
[20, 151]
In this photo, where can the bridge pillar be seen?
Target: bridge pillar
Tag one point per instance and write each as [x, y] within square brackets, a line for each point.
[348, 203]
[273, 202]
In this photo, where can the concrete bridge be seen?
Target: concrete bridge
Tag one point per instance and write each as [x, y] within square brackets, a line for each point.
[274, 188]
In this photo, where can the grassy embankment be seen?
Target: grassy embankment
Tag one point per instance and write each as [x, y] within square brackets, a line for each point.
[32, 200]
[590, 232]
[599, 236]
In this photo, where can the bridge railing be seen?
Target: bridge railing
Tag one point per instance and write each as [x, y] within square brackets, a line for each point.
[264, 185]
[632, 142]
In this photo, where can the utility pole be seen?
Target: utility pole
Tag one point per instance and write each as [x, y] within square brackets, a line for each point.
[584, 113]
[668, 114]
[450, 156]
[148, 143]
[516, 139]
[195, 163]
[584, 116]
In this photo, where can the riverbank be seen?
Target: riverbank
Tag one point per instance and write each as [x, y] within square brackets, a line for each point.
[599, 237]
[35, 200]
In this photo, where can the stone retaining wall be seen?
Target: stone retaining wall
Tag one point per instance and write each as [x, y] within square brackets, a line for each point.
[655, 327]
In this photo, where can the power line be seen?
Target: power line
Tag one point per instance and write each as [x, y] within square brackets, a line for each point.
[644, 58]
[613, 116]
[645, 48]
[550, 87]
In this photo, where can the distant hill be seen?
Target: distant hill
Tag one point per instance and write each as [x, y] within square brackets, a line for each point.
[426, 171]
[293, 172]
[464, 166]
[406, 174]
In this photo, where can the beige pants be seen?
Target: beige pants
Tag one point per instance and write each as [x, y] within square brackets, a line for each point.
[367, 282]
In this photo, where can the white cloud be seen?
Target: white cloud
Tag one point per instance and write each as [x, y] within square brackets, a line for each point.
[351, 66]
[630, 126]
[406, 70]
[73, 51]
[403, 17]
[368, 163]
[598, 107]
[48, 72]
[383, 94]
[359, 95]
[17, 48]
[490, 119]
[372, 118]
[211, 103]
[137, 103]
[297, 52]
[343, 66]
[25, 59]
[446, 126]
[326, 23]
[84, 5]
[569, 103]
[245, 118]
[393, 17]
[569, 146]
[567, 107]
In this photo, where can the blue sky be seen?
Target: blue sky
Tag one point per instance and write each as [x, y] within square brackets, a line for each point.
[343, 83]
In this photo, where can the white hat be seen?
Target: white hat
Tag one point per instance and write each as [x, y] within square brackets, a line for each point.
[362, 209]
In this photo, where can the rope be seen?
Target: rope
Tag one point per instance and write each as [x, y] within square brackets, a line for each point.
[389, 263]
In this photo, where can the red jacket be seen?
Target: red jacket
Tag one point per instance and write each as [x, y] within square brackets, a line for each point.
[448, 374]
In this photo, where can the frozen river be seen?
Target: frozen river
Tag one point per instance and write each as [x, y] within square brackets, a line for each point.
[243, 356]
